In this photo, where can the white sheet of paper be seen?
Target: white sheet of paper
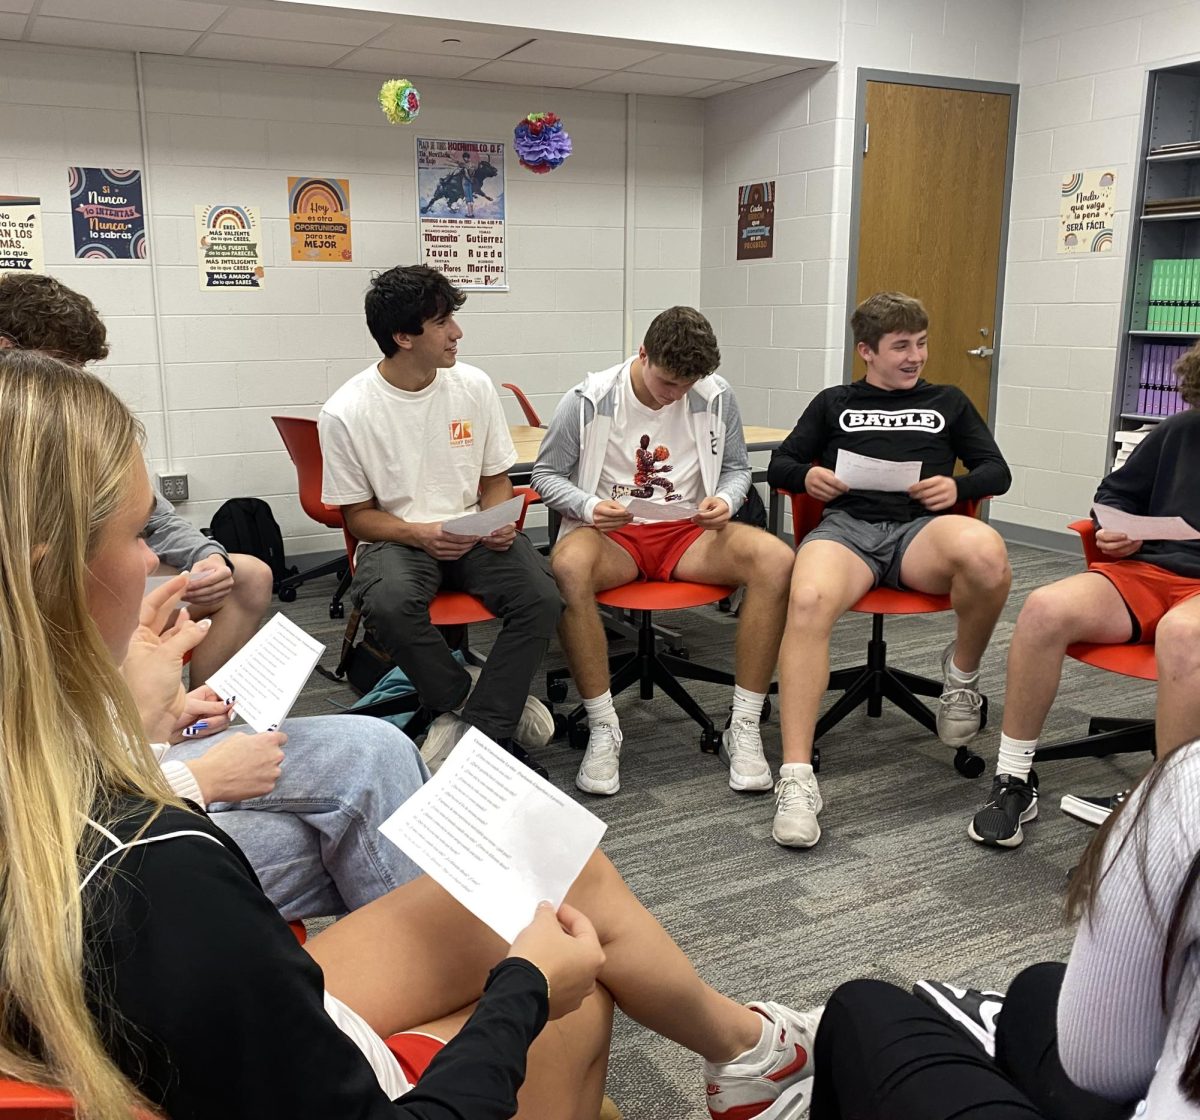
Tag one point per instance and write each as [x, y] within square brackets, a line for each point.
[495, 835]
[658, 511]
[268, 672]
[1138, 528]
[862, 472]
[154, 582]
[486, 520]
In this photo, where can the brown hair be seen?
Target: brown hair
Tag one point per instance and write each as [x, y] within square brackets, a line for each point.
[887, 313]
[1187, 370]
[39, 313]
[681, 341]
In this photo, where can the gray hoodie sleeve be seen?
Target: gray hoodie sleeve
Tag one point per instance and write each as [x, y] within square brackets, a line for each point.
[558, 461]
[734, 482]
[174, 541]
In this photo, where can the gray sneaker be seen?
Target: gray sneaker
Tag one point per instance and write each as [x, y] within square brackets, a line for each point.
[535, 728]
[442, 737]
[599, 772]
[797, 803]
[742, 751]
[959, 708]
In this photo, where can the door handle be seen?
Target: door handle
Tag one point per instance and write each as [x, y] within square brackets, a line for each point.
[981, 352]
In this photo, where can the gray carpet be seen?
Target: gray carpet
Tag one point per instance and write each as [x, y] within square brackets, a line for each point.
[895, 889]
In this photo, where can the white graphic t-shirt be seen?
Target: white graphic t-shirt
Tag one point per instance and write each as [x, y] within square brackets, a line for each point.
[651, 453]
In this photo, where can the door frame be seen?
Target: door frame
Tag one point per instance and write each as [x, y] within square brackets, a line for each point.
[860, 112]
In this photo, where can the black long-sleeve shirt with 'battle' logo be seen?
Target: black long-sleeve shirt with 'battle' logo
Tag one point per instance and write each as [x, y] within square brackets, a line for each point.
[936, 424]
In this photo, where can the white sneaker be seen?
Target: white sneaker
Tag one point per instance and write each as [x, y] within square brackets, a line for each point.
[742, 751]
[535, 728]
[959, 707]
[599, 772]
[442, 737]
[797, 803]
[776, 1087]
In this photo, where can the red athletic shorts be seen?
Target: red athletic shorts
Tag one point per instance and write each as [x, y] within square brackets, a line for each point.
[1148, 590]
[414, 1051]
[656, 547]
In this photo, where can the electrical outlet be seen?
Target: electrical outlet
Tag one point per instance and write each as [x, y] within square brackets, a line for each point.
[173, 487]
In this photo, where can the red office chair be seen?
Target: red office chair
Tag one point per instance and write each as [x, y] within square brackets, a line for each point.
[531, 415]
[1107, 736]
[304, 448]
[876, 681]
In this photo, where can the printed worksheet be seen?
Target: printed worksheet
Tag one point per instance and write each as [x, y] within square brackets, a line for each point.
[658, 511]
[1139, 528]
[862, 472]
[486, 521]
[499, 838]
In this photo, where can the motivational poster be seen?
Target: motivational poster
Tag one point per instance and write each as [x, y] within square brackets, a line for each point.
[1086, 212]
[107, 217]
[460, 199]
[229, 246]
[319, 218]
[21, 234]
[756, 221]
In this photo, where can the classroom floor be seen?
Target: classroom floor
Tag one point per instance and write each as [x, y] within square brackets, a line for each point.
[895, 889]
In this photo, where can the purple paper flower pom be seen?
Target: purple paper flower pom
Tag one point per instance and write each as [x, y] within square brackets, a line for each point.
[541, 142]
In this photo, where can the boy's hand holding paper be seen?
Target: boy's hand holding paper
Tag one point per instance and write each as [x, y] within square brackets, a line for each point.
[863, 472]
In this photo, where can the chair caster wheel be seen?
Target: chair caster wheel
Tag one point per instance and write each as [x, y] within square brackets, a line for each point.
[766, 709]
[336, 610]
[816, 760]
[577, 736]
[968, 763]
[725, 605]
[556, 691]
[710, 741]
[560, 726]
[287, 594]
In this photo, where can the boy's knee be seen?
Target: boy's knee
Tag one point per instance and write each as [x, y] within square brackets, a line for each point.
[809, 606]
[253, 582]
[1045, 613]
[985, 557]
[1177, 643]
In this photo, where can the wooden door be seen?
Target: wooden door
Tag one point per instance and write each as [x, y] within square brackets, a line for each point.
[930, 219]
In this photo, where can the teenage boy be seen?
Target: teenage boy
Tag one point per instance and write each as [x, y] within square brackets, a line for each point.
[904, 539]
[1143, 591]
[660, 426]
[415, 440]
[39, 313]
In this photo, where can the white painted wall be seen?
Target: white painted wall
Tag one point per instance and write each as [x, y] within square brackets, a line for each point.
[230, 131]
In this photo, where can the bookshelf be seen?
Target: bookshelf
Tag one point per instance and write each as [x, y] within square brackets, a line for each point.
[1166, 227]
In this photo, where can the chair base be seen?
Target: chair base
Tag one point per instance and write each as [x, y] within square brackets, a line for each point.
[1104, 737]
[339, 566]
[648, 666]
[875, 682]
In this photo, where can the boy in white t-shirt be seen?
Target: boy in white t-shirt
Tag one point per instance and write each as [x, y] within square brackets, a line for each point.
[413, 441]
[659, 427]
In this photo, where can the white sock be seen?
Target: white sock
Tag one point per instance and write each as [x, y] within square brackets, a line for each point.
[601, 709]
[748, 705]
[1016, 756]
[961, 677]
[797, 770]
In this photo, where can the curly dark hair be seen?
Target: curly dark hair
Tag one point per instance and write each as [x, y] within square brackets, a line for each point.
[887, 313]
[403, 299]
[681, 341]
[40, 313]
[1187, 371]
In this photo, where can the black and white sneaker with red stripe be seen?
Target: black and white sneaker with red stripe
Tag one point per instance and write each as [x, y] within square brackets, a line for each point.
[777, 1086]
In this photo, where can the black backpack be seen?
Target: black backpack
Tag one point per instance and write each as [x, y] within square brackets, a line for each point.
[247, 525]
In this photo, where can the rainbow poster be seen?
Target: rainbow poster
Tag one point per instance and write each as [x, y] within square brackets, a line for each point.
[21, 234]
[460, 204]
[108, 219]
[319, 218]
[229, 246]
[1086, 211]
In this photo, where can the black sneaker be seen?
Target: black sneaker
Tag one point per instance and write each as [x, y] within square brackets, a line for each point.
[1012, 803]
[969, 1008]
[1092, 810]
[523, 756]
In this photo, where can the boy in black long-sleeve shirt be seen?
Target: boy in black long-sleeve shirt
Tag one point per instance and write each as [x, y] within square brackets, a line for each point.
[1144, 591]
[907, 539]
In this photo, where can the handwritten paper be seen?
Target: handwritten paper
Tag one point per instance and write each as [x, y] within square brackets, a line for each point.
[862, 472]
[646, 510]
[268, 672]
[496, 836]
[1138, 528]
[486, 521]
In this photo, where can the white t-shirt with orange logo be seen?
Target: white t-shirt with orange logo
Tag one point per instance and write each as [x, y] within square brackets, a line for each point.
[419, 455]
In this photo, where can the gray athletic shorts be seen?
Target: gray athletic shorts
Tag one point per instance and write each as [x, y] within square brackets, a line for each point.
[881, 544]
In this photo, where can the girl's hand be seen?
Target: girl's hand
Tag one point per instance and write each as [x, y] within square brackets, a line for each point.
[565, 949]
[204, 714]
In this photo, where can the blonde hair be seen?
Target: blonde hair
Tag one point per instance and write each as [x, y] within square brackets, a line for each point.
[71, 742]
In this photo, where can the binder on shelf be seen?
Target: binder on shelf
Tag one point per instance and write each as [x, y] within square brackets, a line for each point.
[1154, 308]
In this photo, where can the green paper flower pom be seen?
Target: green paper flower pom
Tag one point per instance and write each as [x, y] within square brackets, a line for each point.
[400, 101]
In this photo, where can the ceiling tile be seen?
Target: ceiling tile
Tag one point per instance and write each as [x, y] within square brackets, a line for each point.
[284, 51]
[12, 25]
[719, 87]
[302, 28]
[775, 71]
[529, 74]
[427, 38]
[668, 85]
[712, 67]
[184, 15]
[16, 5]
[563, 52]
[410, 65]
[111, 36]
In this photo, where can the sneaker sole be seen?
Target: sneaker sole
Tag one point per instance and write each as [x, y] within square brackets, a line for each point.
[791, 1104]
[1084, 810]
[795, 844]
[1013, 841]
[600, 789]
[950, 1009]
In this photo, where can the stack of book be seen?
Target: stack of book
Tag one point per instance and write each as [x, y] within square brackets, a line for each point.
[1127, 441]
[1174, 296]
[1158, 393]
[1184, 147]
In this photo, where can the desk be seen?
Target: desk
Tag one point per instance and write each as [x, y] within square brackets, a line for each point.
[528, 441]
